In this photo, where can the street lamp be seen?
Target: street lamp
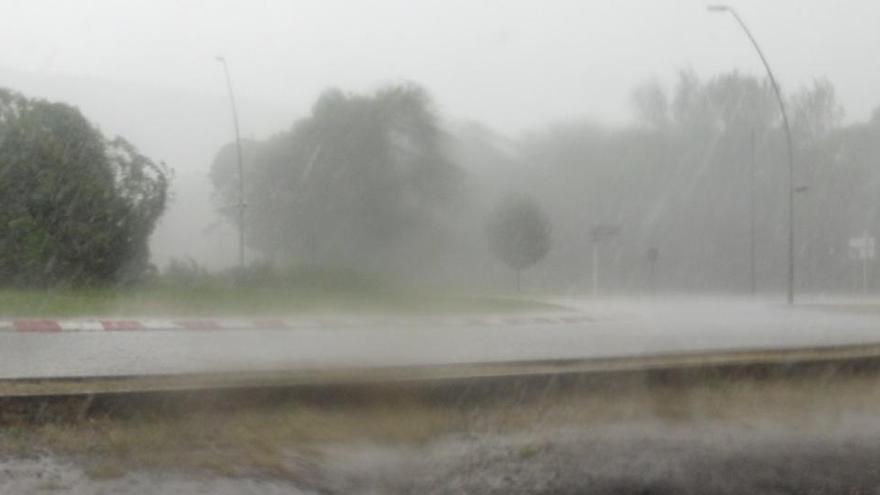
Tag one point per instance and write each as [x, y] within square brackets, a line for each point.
[241, 203]
[753, 283]
[728, 9]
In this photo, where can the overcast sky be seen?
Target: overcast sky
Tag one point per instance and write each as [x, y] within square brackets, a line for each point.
[146, 70]
[512, 64]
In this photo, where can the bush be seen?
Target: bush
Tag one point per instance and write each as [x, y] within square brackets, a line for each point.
[188, 273]
[185, 272]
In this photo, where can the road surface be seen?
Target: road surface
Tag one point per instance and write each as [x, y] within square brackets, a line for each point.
[617, 328]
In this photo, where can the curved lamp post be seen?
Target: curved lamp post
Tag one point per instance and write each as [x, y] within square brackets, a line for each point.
[729, 10]
[241, 202]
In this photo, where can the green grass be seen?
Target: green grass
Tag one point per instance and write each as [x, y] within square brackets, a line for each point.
[226, 301]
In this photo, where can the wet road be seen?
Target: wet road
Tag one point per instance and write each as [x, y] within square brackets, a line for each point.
[620, 328]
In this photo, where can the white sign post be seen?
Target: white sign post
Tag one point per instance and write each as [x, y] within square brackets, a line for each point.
[599, 234]
[862, 249]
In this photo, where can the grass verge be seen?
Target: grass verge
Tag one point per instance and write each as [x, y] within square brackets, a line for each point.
[245, 301]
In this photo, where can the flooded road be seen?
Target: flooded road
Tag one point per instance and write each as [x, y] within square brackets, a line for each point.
[616, 329]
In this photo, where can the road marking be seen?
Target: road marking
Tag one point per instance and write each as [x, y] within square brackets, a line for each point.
[123, 325]
[199, 324]
[80, 325]
[37, 326]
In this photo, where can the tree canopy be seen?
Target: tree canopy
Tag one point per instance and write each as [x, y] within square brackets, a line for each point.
[75, 207]
[365, 175]
[682, 179]
[519, 232]
[348, 184]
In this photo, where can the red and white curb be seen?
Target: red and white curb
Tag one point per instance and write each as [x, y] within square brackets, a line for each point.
[127, 325]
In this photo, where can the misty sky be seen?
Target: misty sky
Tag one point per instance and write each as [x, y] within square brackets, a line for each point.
[511, 64]
[146, 70]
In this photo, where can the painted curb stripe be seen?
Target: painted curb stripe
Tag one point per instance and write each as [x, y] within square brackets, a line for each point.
[199, 324]
[80, 325]
[37, 326]
[122, 325]
[90, 325]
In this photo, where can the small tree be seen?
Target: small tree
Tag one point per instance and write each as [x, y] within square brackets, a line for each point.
[519, 233]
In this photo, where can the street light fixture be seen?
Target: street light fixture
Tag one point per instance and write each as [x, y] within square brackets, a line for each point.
[791, 189]
[241, 203]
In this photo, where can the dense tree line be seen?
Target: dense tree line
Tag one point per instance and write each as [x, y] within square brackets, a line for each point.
[76, 208]
[377, 181]
[681, 181]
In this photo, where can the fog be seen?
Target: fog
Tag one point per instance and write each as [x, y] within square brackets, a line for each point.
[553, 100]
[444, 246]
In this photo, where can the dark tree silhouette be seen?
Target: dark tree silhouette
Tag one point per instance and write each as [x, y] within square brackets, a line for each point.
[519, 233]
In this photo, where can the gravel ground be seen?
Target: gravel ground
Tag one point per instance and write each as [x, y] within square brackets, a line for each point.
[645, 458]
[51, 475]
[629, 463]
[637, 459]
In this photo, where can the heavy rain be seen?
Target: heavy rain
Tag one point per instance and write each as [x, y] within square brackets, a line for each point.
[439, 247]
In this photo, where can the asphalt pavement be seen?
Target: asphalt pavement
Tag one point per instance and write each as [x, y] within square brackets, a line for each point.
[616, 328]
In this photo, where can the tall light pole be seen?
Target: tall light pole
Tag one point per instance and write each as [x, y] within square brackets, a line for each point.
[728, 9]
[241, 203]
[753, 284]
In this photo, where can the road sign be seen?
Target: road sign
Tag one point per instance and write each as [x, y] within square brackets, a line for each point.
[598, 234]
[862, 248]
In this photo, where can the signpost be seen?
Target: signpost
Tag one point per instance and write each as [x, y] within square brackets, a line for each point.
[598, 234]
[862, 249]
[652, 255]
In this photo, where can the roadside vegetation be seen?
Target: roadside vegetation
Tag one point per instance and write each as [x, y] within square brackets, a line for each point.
[186, 290]
[78, 208]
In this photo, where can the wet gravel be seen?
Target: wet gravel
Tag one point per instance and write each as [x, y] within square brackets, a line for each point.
[635, 458]
[46, 474]
[658, 467]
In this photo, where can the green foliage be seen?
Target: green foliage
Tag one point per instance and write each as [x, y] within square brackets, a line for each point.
[187, 273]
[184, 273]
[310, 292]
[519, 232]
[75, 208]
[682, 180]
[362, 175]
[314, 279]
